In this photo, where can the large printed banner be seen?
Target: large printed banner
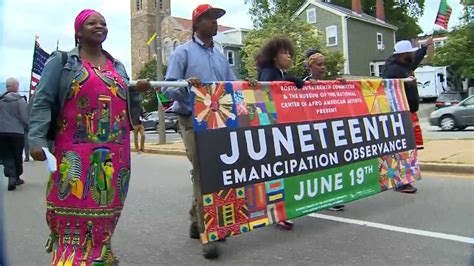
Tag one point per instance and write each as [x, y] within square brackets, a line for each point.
[274, 152]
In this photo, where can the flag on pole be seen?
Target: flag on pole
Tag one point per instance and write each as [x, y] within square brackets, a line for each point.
[444, 12]
[39, 59]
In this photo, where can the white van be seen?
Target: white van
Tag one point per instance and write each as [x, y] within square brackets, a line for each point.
[431, 81]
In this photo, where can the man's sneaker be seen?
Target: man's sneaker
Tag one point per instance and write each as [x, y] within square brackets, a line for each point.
[210, 250]
[408, 188]
[194, 231]
[337, 208]
[20, 181]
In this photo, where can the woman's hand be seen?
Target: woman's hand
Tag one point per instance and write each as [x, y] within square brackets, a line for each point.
[343, 80]
[38, 154]
[143, 85]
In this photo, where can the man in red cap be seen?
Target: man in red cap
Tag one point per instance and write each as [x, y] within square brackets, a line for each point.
[194, 61]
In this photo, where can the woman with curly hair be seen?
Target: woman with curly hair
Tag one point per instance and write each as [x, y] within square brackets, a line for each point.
[274, 60]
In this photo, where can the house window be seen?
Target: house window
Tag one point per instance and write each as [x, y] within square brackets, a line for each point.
[311, 15]
[380, 45]
[331, 35]
[376, 69]
[380, 69]
[139, 5]
[231, 58]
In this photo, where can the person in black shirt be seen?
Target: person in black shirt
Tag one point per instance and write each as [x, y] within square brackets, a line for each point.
[400, 65]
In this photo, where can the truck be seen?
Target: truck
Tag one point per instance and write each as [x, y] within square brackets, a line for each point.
[431, 81]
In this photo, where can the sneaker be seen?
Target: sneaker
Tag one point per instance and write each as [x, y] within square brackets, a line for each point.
[286, 225]
[408, 188]
[20, 182]
[210, 251]
[194, 231]
[337, 208]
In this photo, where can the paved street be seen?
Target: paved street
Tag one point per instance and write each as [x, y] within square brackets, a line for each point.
[154, 225]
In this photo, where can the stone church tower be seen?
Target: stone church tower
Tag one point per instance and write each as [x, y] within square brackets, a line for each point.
[143, 21]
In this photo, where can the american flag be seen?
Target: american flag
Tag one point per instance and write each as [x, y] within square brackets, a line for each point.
[39, 59]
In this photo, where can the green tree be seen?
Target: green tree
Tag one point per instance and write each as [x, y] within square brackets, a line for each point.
[150, 101]
[402, 13]
[303, 36]
[458, 52]
[261, 10]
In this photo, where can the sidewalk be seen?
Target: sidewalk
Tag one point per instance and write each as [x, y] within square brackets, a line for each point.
[453, 156]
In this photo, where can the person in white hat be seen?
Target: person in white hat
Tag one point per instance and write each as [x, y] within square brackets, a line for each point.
[402, 64]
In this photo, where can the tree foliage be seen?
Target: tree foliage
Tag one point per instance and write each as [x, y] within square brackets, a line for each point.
[402, 13]
[149, 99]
[458, 52]
[303, 36]
[262, 10]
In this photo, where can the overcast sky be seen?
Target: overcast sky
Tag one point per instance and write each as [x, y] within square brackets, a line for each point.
[53, 21]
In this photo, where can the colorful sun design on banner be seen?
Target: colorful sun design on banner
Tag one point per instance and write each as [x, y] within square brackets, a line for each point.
[375, 97]
[213, 105]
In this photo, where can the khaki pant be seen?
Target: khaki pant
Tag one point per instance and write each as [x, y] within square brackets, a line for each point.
[139, 129]
[187, 133]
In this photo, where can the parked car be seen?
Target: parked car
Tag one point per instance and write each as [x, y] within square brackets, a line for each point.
[448, 98]
[150, 122]
[458, 116]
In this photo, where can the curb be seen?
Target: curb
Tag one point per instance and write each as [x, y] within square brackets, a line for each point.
[428, 167]
[166, 152]
[447, 168]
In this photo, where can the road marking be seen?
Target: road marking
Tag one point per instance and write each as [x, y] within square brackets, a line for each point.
[405, 230]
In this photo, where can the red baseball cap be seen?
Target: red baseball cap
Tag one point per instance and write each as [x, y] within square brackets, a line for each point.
[206, 8]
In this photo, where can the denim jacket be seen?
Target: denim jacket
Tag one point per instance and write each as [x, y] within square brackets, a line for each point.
[52, 91]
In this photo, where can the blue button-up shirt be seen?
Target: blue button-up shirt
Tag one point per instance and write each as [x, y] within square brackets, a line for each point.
[193, 59]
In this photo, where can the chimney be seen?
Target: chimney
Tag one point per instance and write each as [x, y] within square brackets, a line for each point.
[379, 10]
[357, 6]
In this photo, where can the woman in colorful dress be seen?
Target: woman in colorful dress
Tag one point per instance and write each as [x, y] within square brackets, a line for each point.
[84, 97]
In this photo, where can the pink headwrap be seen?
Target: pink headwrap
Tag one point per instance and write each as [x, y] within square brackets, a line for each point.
[82, 17]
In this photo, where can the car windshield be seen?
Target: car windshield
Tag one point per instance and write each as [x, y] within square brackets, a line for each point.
[153, 115]
[468, 101]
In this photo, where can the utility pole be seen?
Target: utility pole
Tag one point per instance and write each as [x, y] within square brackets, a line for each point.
[159, 76]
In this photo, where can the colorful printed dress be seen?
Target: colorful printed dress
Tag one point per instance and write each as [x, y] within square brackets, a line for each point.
[86, 195]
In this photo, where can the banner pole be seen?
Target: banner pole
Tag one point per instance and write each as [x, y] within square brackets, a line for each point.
[185, 83]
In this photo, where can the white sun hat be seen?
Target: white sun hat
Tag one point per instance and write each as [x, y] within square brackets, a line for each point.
[403, 47]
